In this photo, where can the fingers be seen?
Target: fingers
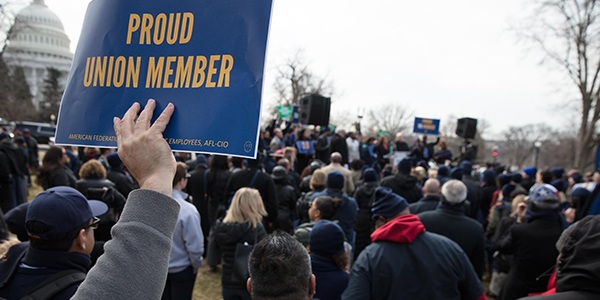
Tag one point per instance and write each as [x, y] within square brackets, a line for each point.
[163, 120]
[117, 129]
[143, 122]
[127, 123]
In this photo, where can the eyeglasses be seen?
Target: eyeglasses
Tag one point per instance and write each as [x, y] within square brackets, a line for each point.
[94, 224]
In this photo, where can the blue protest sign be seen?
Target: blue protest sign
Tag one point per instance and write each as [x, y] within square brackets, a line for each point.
[426, 126]
[305, 147]
[205, 56]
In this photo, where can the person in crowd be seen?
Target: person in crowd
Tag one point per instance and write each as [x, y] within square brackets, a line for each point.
[329, 260]
[402, 183]
[532, 243]
[104, 152]
[119, 176]
[364, 196]
[15, 162]
[338, 144]
[307, 175]
[501, 260]
[544, 176]
[473, 191]
[277, 140]
[431, 197]
[305, 147]
[293, 178]
[323, 146]
[528, 177]
[489, 186]
[382, 150]
[401, 145]
[197, 188]
[218, 176]
[94, 185]
[242, 224]
[466, 232]
[60, 223]
[368, 154]
[592, 205]
[253, 177]
[318, 182]
[286, 200]
[32, 146]
[428, 148]
[336, 165]
[407, 262]
[501, 209]
[73, 162]
[443, 174]
[578, 200]
[353, 146]
[322, 208]
[442, 155]
[53, 171]
[356, 168]
[188, 243]
[578, 266]
[280, 268]
[348, 209]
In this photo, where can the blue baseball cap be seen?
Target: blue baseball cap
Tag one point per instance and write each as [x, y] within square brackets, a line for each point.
[61, 209]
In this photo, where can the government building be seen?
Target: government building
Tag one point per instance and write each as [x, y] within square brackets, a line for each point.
[37, 41]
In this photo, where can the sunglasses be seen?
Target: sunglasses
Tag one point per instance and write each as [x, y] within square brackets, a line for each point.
[94, 224]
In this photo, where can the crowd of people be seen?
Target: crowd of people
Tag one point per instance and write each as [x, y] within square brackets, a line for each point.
[328, 215]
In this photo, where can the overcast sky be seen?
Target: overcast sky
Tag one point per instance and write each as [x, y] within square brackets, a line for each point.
[435, 57]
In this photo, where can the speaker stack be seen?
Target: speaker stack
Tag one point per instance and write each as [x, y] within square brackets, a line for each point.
[314, 110]
[466, 128]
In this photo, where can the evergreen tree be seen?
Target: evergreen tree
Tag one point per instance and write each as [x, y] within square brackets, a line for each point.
[24, 109]
[52, 94]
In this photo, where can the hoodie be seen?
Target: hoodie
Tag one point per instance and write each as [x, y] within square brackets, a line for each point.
[406, 262]
[403, 185]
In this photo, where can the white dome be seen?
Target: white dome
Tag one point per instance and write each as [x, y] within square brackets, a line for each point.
[39, 31]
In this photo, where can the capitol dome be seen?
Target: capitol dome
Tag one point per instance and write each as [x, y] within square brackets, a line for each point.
[37, 41]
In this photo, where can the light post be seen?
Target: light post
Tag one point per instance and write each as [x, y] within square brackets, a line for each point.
[537, 145]
[52, 119]
[360, 112]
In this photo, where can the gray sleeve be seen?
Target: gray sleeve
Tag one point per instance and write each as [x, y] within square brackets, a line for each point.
[135, 262]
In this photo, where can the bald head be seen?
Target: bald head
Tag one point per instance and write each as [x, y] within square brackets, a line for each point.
[431, 187]
[336, 157]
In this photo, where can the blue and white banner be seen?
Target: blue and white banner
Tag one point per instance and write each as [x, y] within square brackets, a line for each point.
[426, 126]
[205, 56]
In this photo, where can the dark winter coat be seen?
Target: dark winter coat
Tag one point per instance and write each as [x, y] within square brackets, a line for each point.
[197, 188]
[579, 270]
[286, 206]
[338, 144]
[405, 262]
[123, 182]
[403, 185]
[16, 283]
[364, 197]
[466, 232]
[533, 246]
[331, 280]
[263, 183]
[474, 197]
[217, 183]
[222, 244]
[427, 203]
[62, 176]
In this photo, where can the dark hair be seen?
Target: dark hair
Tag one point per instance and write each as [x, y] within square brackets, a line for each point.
[61, 242]
[279, 268]
[52, 161]
[357, 165]
[328, 206]
[547, 176]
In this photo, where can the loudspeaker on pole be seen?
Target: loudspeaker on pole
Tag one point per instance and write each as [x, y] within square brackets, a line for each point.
[466, 128]
[314, 110]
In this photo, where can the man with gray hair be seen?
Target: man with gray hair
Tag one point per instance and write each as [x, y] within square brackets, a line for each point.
[449, 220]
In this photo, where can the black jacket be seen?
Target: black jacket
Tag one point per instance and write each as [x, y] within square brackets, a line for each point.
[533, 245]
[222, 244]
[123, 182]
[263, 183]
[17, 281]
[217, 182]
[364, 225]
[286, 206]
[338, 144]
[427, 203]
[466, 232]
[403, 185]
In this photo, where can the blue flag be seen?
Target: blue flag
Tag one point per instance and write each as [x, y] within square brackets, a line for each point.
[205, 56]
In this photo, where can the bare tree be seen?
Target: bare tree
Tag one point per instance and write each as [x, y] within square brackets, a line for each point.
[295, 80]
[568, 32]
[390, 117]
[519, 142]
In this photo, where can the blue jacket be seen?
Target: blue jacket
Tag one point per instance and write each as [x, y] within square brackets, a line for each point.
[331, 281]
[405, 262]
[345, 214]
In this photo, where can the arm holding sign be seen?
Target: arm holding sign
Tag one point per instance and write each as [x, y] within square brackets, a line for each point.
[135, 261]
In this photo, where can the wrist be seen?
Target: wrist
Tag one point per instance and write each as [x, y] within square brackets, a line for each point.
[158, 184]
